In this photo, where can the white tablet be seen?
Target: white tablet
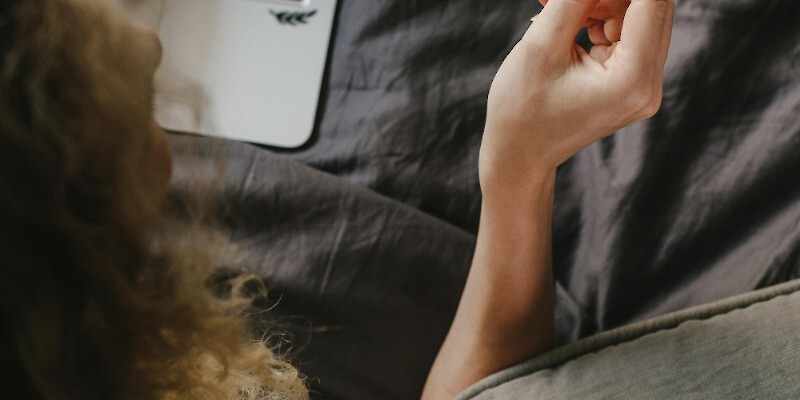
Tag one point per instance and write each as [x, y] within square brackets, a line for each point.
[249, 70]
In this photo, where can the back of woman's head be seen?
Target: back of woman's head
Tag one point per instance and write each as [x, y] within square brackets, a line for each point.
[87, 311]
[70, 238]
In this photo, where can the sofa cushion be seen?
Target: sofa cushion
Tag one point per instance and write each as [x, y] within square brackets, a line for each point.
[741, 347]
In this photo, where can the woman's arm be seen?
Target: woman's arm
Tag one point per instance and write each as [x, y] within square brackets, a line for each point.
[549, 100]
[506, 311]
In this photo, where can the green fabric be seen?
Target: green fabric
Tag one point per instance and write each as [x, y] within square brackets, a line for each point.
[739, 348]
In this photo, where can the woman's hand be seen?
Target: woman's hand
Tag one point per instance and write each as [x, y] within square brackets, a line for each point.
[550, 98]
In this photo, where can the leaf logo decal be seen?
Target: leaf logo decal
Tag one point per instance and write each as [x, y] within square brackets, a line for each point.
[293, 18]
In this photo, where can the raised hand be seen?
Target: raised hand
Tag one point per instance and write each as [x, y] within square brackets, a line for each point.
[550, 98]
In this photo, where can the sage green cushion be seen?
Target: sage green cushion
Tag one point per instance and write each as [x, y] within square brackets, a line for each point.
[745, 347]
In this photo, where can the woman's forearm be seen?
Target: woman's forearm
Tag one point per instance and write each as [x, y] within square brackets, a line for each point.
[506, 311]
[549, 99]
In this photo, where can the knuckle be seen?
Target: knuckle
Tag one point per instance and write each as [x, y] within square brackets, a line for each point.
[537, 57]
[638, 99]
[642, 102]
[650, 109]
[533, 42]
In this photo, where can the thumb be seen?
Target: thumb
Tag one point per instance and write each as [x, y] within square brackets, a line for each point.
[560, 20]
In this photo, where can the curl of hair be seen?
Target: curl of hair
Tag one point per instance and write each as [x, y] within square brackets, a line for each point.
[97, 299]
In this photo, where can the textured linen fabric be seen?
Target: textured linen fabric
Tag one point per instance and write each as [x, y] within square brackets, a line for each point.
[366, 286]
[739, 348]
[366, 233]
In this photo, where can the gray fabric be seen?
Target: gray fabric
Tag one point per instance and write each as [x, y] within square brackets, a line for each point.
[367, 286]
[743, 347]
[366, 233]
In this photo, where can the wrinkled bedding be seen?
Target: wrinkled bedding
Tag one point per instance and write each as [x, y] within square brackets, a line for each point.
[365, 235]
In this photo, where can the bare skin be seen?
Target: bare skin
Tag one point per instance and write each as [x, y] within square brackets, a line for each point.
[605, 20]
[548, 100]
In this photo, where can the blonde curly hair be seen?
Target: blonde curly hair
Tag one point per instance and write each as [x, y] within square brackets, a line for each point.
[94, 302]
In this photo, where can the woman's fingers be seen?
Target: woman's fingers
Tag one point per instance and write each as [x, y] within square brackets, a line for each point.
[642, 51]
[666, 36]
[597, 34]
[601, 53]
[642, 34]
[664, 51]
[612, 28]
[560, 20]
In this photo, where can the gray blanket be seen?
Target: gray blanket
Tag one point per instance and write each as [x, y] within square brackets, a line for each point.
[365, 234]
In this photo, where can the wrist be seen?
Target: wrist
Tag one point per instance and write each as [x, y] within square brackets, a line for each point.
[510, 166]
[504, 183]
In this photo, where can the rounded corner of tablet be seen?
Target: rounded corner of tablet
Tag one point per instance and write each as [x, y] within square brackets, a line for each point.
[297, 142]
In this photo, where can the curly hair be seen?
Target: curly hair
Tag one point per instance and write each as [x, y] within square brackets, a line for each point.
[94, 304]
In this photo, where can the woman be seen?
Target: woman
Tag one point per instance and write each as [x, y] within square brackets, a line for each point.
[91, 309]
[96, 305]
